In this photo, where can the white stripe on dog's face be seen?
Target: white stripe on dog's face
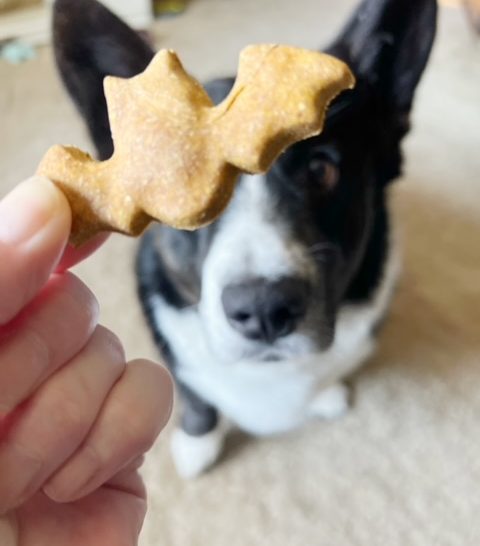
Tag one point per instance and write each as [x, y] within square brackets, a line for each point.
[251, 241]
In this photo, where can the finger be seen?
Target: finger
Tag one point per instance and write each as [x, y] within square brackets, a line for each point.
[58, 418]
[135, 412]
[50, 331]
[35, 222]
[129, 480]
[73, 255]
[108, 517]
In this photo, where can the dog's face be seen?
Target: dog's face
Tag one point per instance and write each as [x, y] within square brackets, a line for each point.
[269, 275]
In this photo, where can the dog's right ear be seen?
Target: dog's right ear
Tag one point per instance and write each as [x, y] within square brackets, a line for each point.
[388, 43]
[90, 43]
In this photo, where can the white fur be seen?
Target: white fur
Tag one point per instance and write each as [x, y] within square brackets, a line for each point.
[258, 394]
[272, 397]
[193, 455]
[331, 403]
[250, 242]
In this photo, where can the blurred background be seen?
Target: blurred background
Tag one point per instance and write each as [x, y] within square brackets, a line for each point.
[403, 467]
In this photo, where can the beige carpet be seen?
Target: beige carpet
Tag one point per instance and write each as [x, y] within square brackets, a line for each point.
[403, 468]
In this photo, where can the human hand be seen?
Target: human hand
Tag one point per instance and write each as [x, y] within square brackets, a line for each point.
[75, 419]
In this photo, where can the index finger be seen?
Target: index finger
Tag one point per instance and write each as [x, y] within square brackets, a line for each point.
[35, 220]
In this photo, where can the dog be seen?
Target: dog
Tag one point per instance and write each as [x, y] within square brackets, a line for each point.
[261, 315]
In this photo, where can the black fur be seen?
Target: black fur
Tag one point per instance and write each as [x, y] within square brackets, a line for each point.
[91, 43]
[345, 223]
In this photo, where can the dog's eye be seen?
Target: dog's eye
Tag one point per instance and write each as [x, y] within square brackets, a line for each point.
[324, 172]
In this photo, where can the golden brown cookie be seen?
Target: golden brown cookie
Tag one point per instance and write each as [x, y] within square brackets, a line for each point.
[177, 156]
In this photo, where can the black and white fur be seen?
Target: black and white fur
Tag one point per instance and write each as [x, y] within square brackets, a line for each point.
[305, 252]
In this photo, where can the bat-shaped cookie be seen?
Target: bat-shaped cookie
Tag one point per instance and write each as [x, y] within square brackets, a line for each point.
[177, 156]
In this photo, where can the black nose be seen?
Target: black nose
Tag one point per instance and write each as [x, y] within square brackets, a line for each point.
[263, 310]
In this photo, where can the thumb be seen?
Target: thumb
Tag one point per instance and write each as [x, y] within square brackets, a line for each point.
[35, 221]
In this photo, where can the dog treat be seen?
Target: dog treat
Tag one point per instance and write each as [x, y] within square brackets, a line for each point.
[177, 156]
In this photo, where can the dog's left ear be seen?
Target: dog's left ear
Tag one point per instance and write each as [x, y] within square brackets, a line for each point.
[90, 43]
[388, 43]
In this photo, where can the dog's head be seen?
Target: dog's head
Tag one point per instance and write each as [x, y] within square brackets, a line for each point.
[269, 275]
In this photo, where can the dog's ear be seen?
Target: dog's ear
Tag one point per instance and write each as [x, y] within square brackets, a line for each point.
[90, 43]
[387, 43]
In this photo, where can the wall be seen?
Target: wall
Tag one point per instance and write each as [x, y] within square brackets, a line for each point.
[33, 24]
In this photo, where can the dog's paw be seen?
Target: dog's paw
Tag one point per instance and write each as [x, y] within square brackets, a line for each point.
[331, 403]
[193, 455]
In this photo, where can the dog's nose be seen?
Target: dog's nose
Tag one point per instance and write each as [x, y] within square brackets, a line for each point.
[264, 311]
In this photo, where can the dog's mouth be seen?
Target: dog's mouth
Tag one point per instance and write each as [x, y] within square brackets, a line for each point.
[295, 346]
[262, 354]
[270, 355]
[227, 345]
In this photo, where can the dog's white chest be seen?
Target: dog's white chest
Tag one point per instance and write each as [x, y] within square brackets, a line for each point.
[271, 397]
[261, 398]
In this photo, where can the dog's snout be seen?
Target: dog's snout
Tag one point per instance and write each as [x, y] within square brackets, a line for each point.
[264, 311]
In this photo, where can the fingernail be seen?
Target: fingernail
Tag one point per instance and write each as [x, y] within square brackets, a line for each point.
[26, 210]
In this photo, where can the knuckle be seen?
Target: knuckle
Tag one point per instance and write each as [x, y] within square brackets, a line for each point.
[34, 350]
[145, 443]
[110, 344]
[23, 464]
[160, 392]
[71, 421]
[27, 452]
[156, 405]
[84, 299]
[94, 456]
[40, 350]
